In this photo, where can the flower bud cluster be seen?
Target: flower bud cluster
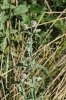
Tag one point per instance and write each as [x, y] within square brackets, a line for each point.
[33, 24]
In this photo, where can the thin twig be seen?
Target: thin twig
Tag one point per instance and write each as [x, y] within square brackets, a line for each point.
[55, 20]
[54, 12]
[48, 5]
[50, 22]
[3, 89]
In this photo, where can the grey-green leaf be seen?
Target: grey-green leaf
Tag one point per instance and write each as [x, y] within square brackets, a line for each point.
[42, 68]
[7, 7]
[21, 9]
[14, 54]
[11, 31]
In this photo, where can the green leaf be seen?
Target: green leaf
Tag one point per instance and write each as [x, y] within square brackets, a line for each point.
[22, 91]
[26, 19]
[11, 31]
[33, 92]
[42, 20]
[20, 88]
[3, 17]
[35, 8]
[33, 85]
[63, 1]
[1, 26]
[21, 9]
[14, 54]
[7, 7]
[16, 82]
[21, 64]
[59, 24]
[2, 20]
[42, 68]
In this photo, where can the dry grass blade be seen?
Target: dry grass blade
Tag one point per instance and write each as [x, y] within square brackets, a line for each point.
[48, 5]
[59, 91]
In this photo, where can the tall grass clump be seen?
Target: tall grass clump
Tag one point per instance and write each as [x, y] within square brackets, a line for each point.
[32, 50]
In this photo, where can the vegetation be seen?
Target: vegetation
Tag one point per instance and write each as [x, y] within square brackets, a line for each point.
[32, 49]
